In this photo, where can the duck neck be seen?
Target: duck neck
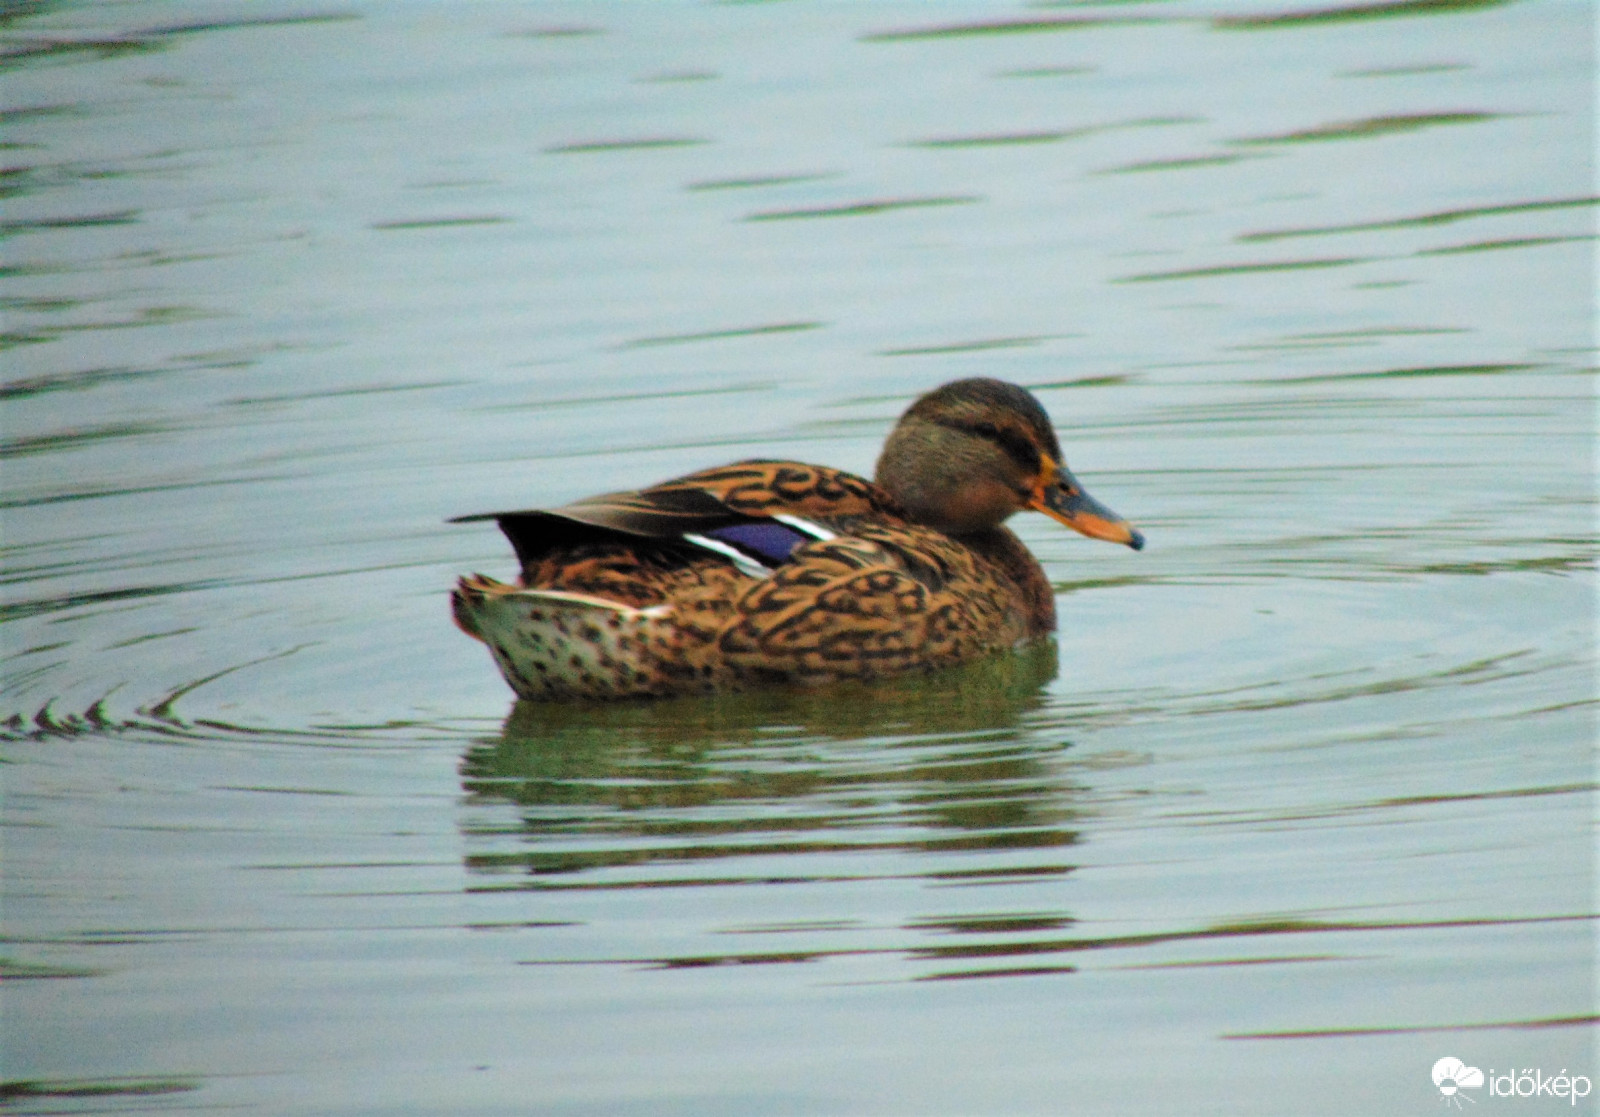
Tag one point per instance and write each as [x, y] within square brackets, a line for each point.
[1001, 546]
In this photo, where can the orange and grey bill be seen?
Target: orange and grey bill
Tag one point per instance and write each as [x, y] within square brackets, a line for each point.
[1066, 501]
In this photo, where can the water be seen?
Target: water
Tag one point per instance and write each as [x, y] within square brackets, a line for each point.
[1300, 802]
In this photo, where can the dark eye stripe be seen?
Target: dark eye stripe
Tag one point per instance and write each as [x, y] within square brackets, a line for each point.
[1018, 447]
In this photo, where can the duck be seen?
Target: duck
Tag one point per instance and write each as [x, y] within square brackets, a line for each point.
[770, 572]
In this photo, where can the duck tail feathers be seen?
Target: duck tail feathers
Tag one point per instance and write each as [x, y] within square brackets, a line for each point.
[560, 644]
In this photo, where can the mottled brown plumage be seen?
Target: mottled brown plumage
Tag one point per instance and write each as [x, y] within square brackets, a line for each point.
[776, 571]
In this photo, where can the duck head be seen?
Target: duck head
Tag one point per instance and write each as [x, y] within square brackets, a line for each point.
[970, 454]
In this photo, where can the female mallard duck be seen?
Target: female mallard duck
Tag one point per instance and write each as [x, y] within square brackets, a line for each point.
[771, 571]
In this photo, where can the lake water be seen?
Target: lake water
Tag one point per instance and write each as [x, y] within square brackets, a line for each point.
[1300, 802]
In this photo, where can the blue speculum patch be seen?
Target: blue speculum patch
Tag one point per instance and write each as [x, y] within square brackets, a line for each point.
[765, 540]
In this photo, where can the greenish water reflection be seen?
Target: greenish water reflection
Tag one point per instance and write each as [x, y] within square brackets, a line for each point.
[941, 762]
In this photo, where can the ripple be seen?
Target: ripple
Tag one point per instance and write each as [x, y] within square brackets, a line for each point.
[22, 1089]
[35, 112]
[677, 77]
[1425, 220]
[756, 181]
[1322, 689]
[25, 387]
[629, 397]
[721, 335]
[121, 490]
[441, 222]
[1351, 13]
[16, 610]
[560, 31]
[1012, 971]
[160, 718]
[1407, 71]
[988, 27]
[73, 438]
[986, 950]
[643, 143]
[978, 346]
[1423, 371]
[78, 221]
[1373, 126]
[1004, 139]
[12, 970]
[1503, 243]
[1425, 1029]
[863, 209]
[1186, 163]
[1252, 268]
[1005, 924]
[45, 48]
[145, 318]
[1015, 139]
[1048, 72]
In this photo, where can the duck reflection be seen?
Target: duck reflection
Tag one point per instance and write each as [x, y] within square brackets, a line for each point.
[940, 762]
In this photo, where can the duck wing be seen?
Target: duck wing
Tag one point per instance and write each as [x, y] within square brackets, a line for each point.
[642, 517]
[762, 508]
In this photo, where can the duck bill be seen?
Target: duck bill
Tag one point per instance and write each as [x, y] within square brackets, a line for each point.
[1067, 502]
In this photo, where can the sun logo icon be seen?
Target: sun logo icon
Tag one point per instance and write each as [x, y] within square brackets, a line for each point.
[1451, 1075]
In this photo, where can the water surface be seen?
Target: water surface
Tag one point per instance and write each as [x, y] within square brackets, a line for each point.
[1300, 801]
